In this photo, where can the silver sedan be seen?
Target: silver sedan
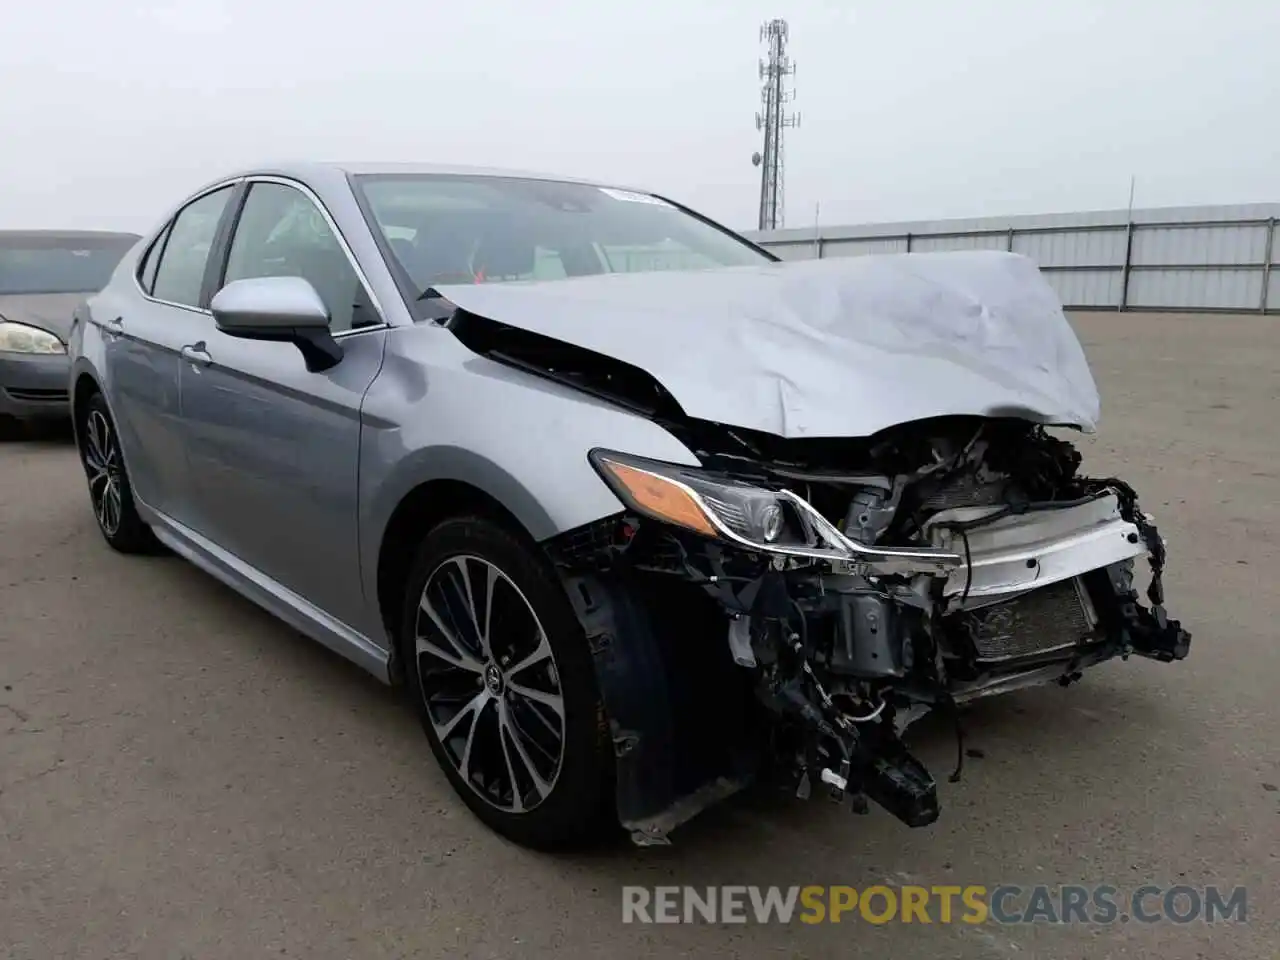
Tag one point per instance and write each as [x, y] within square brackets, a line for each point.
[635, 512]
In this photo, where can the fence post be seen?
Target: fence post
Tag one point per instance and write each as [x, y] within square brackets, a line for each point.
[1128, 259]
[1010, 245]
[1266, 264]
[908, 242]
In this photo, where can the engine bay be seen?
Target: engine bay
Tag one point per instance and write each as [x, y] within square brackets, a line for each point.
[857, 585]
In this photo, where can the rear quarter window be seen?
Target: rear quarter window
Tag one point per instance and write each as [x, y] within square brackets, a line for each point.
[151, 260]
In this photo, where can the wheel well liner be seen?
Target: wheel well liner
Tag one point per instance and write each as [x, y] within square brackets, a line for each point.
[680, 711]
[85, 387]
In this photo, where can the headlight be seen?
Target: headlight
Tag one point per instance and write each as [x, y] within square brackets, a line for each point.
[712, 506]
[20, 338]
[771, 521]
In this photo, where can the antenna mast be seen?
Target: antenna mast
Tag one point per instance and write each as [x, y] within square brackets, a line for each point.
[774, 97]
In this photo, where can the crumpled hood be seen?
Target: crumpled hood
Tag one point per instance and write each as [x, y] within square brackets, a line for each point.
[48, 311]
[825, 348]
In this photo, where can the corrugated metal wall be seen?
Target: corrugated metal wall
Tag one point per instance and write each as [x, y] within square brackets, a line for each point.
[1174, 258]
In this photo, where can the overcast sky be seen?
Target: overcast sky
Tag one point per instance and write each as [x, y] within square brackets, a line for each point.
[914, 109]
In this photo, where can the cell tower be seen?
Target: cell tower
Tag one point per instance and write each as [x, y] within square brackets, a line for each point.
[773, 121]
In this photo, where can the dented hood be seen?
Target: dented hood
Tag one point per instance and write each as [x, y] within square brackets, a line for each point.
[825, 348]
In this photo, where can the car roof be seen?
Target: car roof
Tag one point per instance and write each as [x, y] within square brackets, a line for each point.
[328, 170]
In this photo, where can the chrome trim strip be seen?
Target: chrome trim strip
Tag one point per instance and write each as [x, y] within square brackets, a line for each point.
[178, 306]
[356, 331]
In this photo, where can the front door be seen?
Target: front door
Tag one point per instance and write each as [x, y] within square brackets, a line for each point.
[273, 448]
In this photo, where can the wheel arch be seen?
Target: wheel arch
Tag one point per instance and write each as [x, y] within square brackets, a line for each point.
[677, 748]
[404, 495]
[417, 511]
[85, 385]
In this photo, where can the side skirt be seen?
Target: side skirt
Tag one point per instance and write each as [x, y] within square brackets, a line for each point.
[269, 594]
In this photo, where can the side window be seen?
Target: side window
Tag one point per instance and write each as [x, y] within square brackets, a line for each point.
[281, 233]
[180, 274]
[147, 271]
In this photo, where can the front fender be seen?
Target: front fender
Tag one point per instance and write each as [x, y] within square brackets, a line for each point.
[88, 362]
[460, 465]
[676, 703]
[437, 411]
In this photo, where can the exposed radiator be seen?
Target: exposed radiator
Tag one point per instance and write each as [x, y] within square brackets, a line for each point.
[1055, 617]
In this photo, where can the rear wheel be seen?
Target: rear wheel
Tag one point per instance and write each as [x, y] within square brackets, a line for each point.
[502, 678]
[109, 491]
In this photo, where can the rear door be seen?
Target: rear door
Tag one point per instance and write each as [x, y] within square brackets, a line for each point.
[274, 448]
[144, 335]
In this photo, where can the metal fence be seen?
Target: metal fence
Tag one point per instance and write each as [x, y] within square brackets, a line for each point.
[1177, 258]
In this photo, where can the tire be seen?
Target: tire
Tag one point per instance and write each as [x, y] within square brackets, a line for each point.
[495, 710]
[110, 493]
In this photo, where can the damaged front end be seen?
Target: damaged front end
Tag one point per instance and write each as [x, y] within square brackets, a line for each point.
[792, 605]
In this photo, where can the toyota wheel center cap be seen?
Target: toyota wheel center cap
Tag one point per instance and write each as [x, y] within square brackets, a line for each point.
[493, 679]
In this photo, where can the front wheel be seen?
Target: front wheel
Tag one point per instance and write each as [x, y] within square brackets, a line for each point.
[500, 673]
[109, 490]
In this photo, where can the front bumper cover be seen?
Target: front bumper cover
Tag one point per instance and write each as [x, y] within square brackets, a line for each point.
[34, 386]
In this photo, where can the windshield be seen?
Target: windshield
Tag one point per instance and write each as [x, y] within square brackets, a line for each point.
[463, 229]
[35, 263]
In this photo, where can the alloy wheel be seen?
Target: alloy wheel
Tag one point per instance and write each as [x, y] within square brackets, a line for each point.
[490, 683]
[102, 463]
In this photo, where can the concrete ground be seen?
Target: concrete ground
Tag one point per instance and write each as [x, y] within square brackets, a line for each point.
[181, 776]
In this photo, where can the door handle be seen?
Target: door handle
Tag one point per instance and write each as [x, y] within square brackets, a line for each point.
[197, 354]
[114, 326]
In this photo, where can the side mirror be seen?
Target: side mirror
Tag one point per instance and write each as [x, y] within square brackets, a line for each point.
[283, 309]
